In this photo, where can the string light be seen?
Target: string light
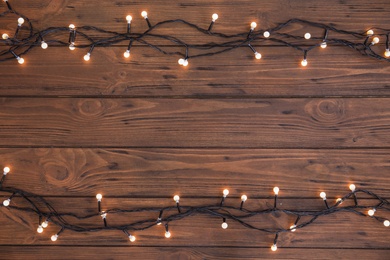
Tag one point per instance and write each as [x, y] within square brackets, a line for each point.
[5, 36]
[243, 199]
[214, 17]
[176, 198]
[44, 45]
[225, 193]
[129, 18]
[307, 36]
[6, 170]
[20, 21]
[375, 40]
[276, 191]
[225, 212]
[323, 196]
[109, 38]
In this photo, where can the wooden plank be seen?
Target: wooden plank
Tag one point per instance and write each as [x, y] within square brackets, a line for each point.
[234, 17]
[20, 228]
[195, 172]
[255, 123]
[335, 71]
[34, 252]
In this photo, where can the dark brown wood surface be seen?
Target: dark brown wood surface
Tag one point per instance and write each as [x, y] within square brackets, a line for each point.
[144, 129]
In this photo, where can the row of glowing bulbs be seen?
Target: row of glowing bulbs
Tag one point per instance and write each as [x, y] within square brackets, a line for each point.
[176, 198]
[184, 61]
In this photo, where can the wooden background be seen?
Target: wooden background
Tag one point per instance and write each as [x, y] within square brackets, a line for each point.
[143, 129]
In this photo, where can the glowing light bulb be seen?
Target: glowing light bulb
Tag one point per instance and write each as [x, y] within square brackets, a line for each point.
[214, 17]
[144, 14]
[304, 62]
[131, 238]
[45, 224]
[126, 54]
[6, 170]
[352, 187]
[181, 61]
[72, 47]
[293, 228]
[6, 202]
[129, 18]
[371, 212]
[44, 45]
[103, 215]
[224, 225]
[20, 21]
[339, 200]
[176, 198]
[20, 60]
[167, 234]
[5, 36]
[225, 193]
[87, 56]
[253, 25]
[274, 247]
[40, 229]
[387, 53]
[323, 195]
[266, 34]
[244, 198]
[72, 26]
[257, 55]
[323, 45]
[99, 196]
[276, 190]
[375, 40]
[185, 63]
[386, 223]
[370, 32]
[307, 36]
[54, 237]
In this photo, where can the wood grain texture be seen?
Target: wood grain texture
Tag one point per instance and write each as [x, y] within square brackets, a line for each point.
[332, 72]
[195, 172]
[199, 230]
[33, 252]
[256, 123]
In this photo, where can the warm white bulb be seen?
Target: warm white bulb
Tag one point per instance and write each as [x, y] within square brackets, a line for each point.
[323, 45]
[176, 198]
[293, 228]
[371, 212]
[126, 54]
[224, 225]
[44, 45]
[54, 237]
[370, 32]
[244, 198]
[20, 60]
[307, 36]
[339, 200]
[323, 195]
[276, 190]
[253, 25]
[225, 192]
[6, 170]
[185, 63]
[129, 18]
[40, 229]
[257, 55]
[132, 238]
[144, 14]
[181, 61]
[45, 224]
[387, 53]
[87, 56]
[214, 17]
[99, 196]
[266, 34]
[20, 21]
[375, 40]
[352, 187]
[167, 234]
[274, 247]
[386, 223]
[6, 202]
[72, 26]
[5, 36]
[304, 62]
[72, 47]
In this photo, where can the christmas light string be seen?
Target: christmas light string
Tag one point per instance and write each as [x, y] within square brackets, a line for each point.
[19, 47]
[167, 215]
